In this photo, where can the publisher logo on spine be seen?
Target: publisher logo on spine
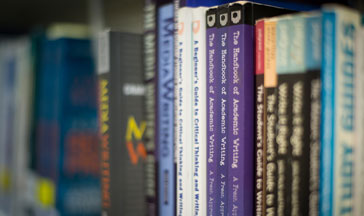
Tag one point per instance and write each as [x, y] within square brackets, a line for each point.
[181, 28]
[196, 26]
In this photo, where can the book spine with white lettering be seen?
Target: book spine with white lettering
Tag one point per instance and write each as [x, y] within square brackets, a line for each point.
[340, 25]
[149, 58]
[223, 22]
[165, 104]
[270, 118]
[312, 117]
[259, 118]
[213, 126]
[183, 96]
[240, 104]
[199, 110]
[359, 106]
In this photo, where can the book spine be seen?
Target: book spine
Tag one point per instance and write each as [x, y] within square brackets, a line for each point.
[213, 85]
[359, 150]
[347, 25]
[312, 92]
[259, 118]
[339, 28]
[104, 118]
[328, 100]
[240, 123]
[184, 113]
[199, 108]
[284, 119]
[270, 118]
[223, 104]
[165, 121]
[151, 165]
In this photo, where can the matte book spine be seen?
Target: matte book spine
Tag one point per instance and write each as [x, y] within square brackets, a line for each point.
[213, 125]
[198, 110]
[151, 166]
[165, 120]
[184, 113]
[223, 23]
[104, 118]
[313, 99]
[259, 118]
[240, 104]
[338, 117]
[270, 118]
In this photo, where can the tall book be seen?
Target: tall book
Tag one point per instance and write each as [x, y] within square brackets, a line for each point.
[165, 109]
[67, 138]
[212, 86]
[149, 57]
[340, 25]
[222, 94]
[199, 110]
[240, 106]
[122, 127]
[359, 124]
[183, 118]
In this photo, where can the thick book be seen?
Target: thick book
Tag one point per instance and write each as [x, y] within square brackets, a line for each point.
[340, 25]
[212, 101]
[359, 124]
[222, 28]
[67, 138]
[165, 110]
[199, 108]
[183, 118]
[123, 152]
[150, 60]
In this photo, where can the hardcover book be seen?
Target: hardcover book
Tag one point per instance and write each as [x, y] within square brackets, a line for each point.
[121, 93]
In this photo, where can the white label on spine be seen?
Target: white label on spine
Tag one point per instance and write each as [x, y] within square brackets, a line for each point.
[103, 50]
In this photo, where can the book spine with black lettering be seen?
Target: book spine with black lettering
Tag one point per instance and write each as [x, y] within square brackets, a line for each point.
[222, 24]
[165, 109]
[270, 118]
[259, 118]
[313, 99]
[199, 110]
[149, 58]
[212, 44]
[183, 96]
[240, 124]
[340, 25]
[359, 106]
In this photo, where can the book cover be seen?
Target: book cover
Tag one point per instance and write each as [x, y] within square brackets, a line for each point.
[150, 60]
[212, 48]
[222, 25]
[359, 100]
[123, 150]
[67, 139]
[199, 110]
[338, 113]
[183, 133]
[165, 116]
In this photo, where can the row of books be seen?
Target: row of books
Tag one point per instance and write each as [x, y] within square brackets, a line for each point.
[254, 109]
[49, 149]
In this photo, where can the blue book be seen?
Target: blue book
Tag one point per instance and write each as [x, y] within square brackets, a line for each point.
[67, 136]
[165, 104]
[339, 27]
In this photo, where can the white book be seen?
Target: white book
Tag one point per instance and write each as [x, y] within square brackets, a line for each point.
[184, 139]
[359, 139]
[199, 111]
